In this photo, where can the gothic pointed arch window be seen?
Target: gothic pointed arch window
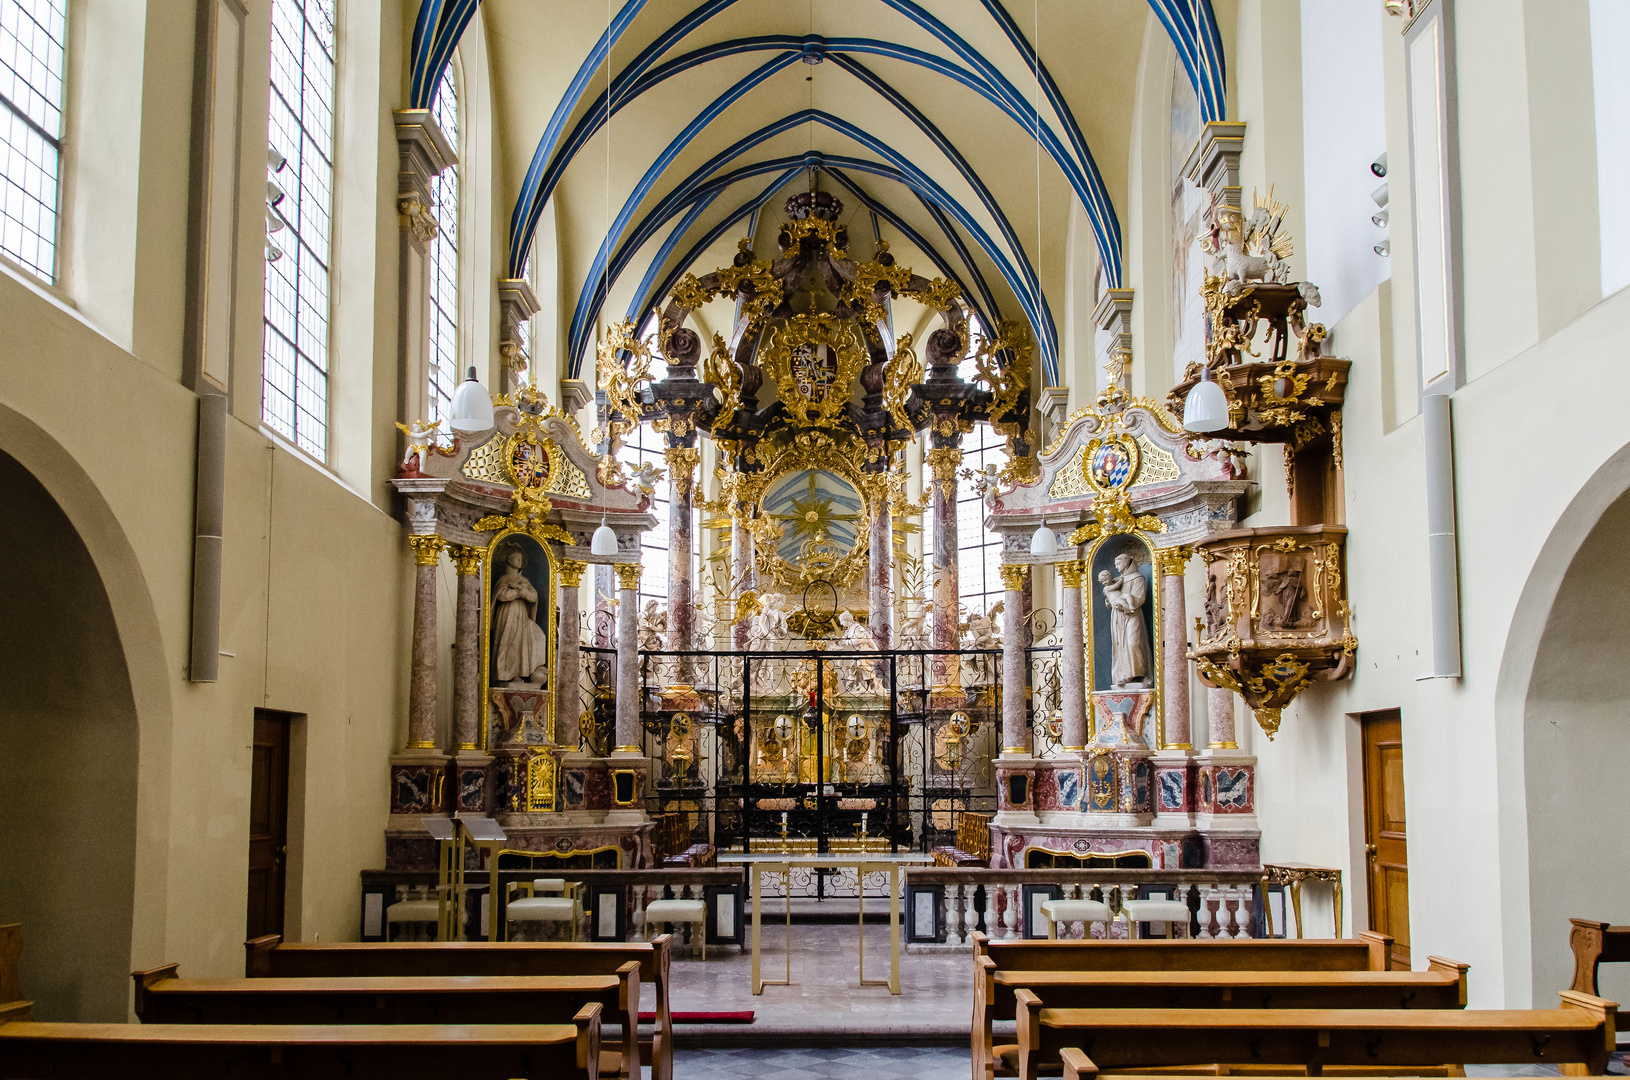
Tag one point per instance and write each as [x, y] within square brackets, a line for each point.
[445, 195]
[294, 375]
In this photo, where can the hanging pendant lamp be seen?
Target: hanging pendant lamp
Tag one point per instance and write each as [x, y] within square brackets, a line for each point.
[472, 406]
[1206, 408]
[1042, 541]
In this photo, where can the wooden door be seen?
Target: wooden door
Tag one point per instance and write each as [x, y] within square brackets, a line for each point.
[268, 822]
[1384, 847]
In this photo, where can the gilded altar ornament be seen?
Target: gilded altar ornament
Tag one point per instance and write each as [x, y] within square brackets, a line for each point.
[682, 462]
[620, 380]
[1071, 574]
[721, 369]
[1171, 561]
[902, 371]
[1014, 576]
[466, 559]
[540, 781]
[814, 360]
[628, 576]
[1110, 466]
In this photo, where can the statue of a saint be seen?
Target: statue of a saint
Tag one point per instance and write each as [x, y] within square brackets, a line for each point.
[858, 676]
[653, 627]
[1126, 592]
[520, 648]
[769, 626]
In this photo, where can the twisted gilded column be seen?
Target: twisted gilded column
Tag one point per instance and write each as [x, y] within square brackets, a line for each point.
[1073, 660]
[568, 658]
[1174, 662]
[743, 574]
[628, 660]
[467, 647]
[880, 573]
[943, 462]
[1015, 732]
[422, 681]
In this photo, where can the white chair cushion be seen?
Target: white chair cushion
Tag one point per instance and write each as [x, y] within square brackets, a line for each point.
[676, 911]
[1076, 911]
[541, 909]
[1156, 910]
[548, 885]
[413, 911]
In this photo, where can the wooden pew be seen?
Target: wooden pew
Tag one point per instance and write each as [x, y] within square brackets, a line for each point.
[1442, 986]
[1578, 1036]
[271, 957]
[162, 997]
[1595, 944]
[993, 1000]
[282, 1052]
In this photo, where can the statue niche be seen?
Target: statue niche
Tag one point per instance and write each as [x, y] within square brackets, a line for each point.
[520, 590]
[1123, 657]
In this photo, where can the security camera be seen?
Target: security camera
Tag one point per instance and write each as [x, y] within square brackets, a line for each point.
[1384, 248]
[1379, 165]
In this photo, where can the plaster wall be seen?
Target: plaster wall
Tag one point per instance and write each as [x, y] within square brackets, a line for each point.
[316, 600]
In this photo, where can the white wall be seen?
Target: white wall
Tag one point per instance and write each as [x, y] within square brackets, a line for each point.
[1609, 45]
[1343, 129]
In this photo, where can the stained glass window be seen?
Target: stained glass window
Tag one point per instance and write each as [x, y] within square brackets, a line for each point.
[295, 373]
[32, 36]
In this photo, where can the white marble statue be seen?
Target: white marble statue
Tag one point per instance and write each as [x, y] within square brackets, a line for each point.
[982, 630]
[520, 648]
[646, 478]
[769, 626]
[653, 627]
[987, 482]
[1125, 592]
[858, 676]
[913, 633]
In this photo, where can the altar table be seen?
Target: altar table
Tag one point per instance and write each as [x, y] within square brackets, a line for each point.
[759, 865]
[1291, 875]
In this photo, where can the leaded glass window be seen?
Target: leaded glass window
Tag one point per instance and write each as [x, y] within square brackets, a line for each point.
[295, 372]
[444, 194]
[32, 38]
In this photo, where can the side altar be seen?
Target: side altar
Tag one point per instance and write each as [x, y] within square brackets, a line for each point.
[515, 509]
[1111, 775]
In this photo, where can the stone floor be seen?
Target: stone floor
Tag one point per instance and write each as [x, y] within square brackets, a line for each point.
[824, 1001]
[823, 1063]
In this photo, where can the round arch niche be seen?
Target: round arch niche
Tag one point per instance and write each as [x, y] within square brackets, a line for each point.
[1576, 745]
[68, 741]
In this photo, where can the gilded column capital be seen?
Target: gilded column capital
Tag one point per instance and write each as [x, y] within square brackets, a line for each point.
[571, 572]
[1013, 576]
[427, 548]
[466, 560]
[682, 462]
[1169, 562]
[628, 576]
[1071, 574]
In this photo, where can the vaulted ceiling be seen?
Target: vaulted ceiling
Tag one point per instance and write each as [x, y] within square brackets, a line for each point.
[922, 116]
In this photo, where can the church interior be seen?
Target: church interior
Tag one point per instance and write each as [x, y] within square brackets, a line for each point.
[565, 539]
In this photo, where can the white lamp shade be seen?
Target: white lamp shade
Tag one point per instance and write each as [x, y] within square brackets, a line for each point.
[1043, 542]
[605, 541]
[1206, 408]
[472, 406]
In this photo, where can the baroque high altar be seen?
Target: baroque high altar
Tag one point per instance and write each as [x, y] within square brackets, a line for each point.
[820, 688]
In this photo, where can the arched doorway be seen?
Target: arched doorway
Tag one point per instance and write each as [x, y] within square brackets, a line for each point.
[1567, 667]
[68, 743]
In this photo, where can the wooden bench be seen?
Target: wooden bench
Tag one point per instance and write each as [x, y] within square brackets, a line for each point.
[1595, 944]
[270, 957]
[162, 997]
[1002, 967]
[324, 1052]
[1082, 1042]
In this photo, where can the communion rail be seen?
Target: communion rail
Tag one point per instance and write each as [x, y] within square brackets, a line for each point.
[945, 905]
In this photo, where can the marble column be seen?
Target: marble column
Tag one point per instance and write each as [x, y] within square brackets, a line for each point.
[942, 463]
[1174, 662]
[467, 648]
[605, 592]
[422, 681]
[628, 660]
[568, 658]
[1220, 713]
[1015, 732]
[880, 574]
[1072, 665]
[682, 461]
[743, 573]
